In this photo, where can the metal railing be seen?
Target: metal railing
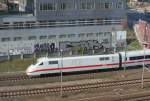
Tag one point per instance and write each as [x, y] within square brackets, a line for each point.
[33, 24]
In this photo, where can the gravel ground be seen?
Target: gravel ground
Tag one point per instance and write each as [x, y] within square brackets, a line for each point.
[89, 95]
[96, 94]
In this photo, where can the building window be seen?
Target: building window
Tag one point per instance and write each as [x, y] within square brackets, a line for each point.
[43, 37]
[107, 33]
[32, 37]
[17, 38]
[87, 5]
[105, 41]
[81, 35]
[108, 5]
[5, 39]
[44, 6]
[71, 35]
[101, 5]
[62, 36]
[41, 7]
[65, 6]
[99, 34]
[52, 36]
[48, 7]
[51, 7]
[90, 5]
[18, 24]
[90, 34]
[119, 5]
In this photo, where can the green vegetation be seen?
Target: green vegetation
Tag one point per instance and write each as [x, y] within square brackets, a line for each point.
[15, 65]
[134, 45]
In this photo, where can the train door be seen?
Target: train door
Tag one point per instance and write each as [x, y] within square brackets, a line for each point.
[53, 66]
[120, 60]
[41, 68]
[116, 61]
[71, 65]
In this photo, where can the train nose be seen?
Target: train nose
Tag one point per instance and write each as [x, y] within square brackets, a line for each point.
[28, 71]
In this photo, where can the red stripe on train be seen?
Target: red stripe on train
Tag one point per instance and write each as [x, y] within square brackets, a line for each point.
[129, 62]
[91, 66]
[65, 68]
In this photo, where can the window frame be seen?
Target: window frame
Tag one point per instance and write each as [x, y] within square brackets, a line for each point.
[47, 6]
[119, 5]
[104, 58]
[87, 5]
[108, 5]
[53, 62]
[5, 39]
[42, 37]
[17, 38]
[32, 38]
[40, 64]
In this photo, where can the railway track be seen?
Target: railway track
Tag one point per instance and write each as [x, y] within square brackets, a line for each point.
[23, 76]
[139, 96]
[24, 80]
[14, 77]
[11, 80]
[68, 87]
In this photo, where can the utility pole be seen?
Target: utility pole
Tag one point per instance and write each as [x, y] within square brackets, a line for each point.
[114, 39]
[7, 3]
[143, 67]
[61, 74]
[144, 54]
[125, 56]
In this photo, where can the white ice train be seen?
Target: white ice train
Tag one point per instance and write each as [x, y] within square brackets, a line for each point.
[47, 65]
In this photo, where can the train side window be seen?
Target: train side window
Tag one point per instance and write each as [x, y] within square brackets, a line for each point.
[41, 64]
[132, 58]
[104, 58]
[101, 59]
[137, 58]
[147, 56]
[53, 62]
[140, 57]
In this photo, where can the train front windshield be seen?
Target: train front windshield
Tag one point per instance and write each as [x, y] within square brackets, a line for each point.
[37, 62]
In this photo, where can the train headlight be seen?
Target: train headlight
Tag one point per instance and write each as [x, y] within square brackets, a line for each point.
[29, 70]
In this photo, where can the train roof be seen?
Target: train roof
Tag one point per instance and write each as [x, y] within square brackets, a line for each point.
[137, 52]
[73, 57]
[47, 59]
[89, 56]
[129, 53]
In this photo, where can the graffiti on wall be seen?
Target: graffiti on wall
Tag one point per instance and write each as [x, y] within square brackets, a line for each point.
[44, 47]
[50, 47]
[89, 44]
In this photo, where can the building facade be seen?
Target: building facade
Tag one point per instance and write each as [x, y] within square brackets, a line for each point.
[3, 7]
[79, 9]
[63, 23]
